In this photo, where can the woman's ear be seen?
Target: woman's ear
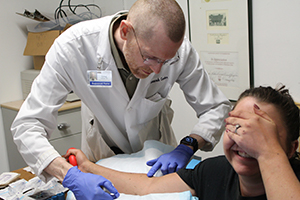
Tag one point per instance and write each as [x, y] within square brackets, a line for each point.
[125, 28]
[295, 145]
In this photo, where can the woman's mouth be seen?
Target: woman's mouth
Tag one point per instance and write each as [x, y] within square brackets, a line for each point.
[243, 154]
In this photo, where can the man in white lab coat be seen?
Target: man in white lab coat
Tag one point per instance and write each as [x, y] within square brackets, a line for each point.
[122, 67]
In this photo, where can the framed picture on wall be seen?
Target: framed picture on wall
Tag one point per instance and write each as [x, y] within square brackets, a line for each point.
[221, 32]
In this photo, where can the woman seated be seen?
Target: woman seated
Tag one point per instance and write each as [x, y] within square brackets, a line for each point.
[260, 161]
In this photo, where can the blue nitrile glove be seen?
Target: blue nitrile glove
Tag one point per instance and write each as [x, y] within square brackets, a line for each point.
[87, 186]
[171, 162]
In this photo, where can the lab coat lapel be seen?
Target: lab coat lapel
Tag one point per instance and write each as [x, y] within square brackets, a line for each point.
[139, 95]
[117, 87]
[106, 62]
[141, 89]
[117, 83]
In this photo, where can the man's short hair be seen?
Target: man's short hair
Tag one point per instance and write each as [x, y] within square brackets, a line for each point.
[144, 15]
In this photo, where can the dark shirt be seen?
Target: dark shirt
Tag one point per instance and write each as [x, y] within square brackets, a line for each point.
[215, 178]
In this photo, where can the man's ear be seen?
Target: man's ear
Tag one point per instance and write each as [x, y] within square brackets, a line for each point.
[125, 28]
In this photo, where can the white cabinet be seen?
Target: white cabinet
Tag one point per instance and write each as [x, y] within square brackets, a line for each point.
[67, 134]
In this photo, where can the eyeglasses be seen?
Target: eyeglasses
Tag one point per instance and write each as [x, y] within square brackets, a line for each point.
[155, 61]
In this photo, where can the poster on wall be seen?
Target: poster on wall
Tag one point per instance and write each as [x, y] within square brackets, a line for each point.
[221, 32]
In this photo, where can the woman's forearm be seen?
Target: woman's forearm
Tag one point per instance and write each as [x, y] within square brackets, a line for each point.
[139, 184]
[279, 178]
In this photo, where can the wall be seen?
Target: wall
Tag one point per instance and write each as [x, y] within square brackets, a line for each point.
[275, 58]
[276, 44]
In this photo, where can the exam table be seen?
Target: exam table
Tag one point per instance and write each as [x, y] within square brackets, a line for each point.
[136, 163]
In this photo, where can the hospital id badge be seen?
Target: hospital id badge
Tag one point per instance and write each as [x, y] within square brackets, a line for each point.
[99, 78]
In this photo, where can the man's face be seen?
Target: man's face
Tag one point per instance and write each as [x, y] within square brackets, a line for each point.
[159, 47]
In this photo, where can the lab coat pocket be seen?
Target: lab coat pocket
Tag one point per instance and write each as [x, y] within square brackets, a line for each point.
[155, 98]
[159, 128]
[98, 147]
[92, 142]
[150, 108]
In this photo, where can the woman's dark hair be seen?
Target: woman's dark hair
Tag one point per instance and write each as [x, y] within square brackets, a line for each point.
[285, 104]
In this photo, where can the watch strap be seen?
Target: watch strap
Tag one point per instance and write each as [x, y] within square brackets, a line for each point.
[188, 140]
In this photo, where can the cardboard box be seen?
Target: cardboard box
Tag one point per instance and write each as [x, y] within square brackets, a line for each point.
[38, 45]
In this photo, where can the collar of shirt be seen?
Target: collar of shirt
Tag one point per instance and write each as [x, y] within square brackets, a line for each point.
[129, 80]
[114, 49]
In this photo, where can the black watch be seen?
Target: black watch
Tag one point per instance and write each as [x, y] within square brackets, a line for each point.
[191, 142]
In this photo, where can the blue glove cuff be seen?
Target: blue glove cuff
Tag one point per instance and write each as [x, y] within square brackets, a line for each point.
[183, 147]
[70, 176]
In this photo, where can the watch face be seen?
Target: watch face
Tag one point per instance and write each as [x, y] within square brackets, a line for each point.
[189, 139]
[191, 142]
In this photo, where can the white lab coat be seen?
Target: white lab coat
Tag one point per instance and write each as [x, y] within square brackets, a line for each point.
[85, 46]
[96, 142]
